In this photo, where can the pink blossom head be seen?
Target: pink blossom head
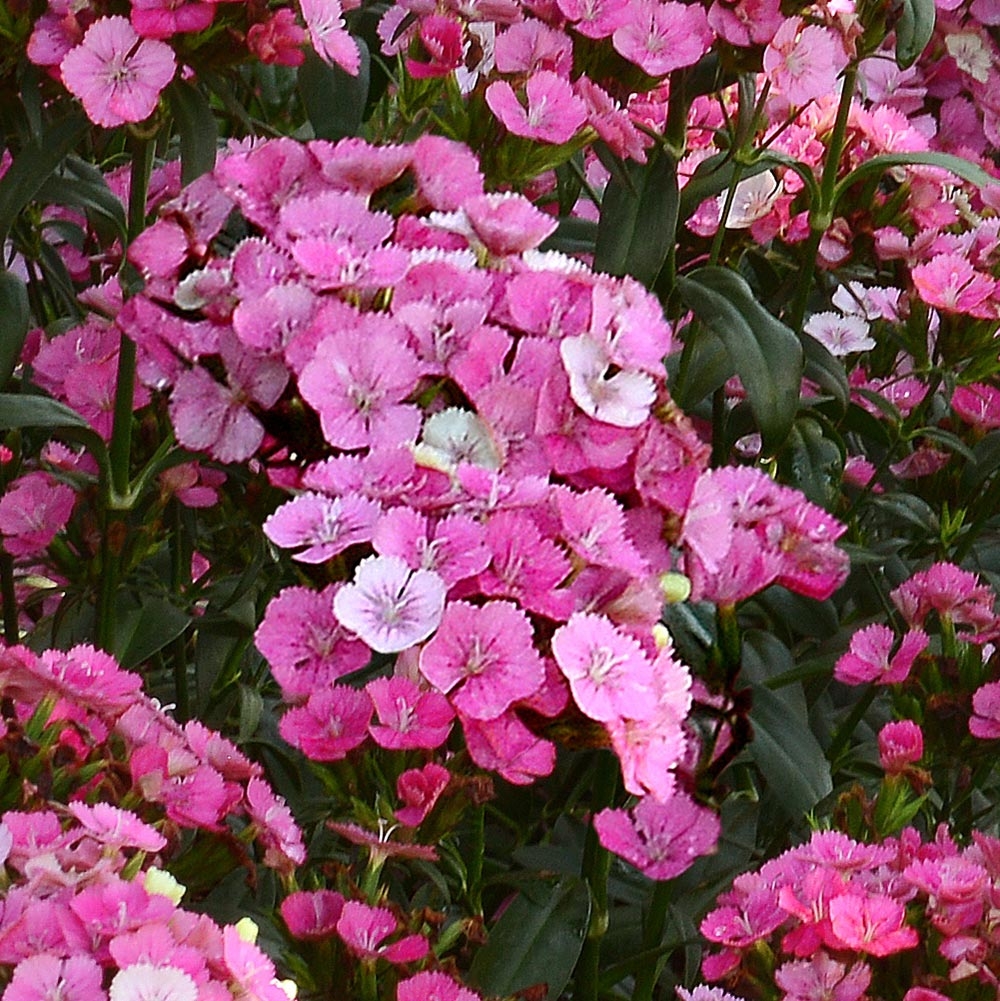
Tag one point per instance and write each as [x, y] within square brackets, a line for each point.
[433, 986]
[117, 74]
[900, 744]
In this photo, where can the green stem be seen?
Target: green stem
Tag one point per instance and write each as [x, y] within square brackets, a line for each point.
[843, 735]
[652, 936]
[115, 489]
[821, 212]
[11, 632]
[474, 874]
[596, 869]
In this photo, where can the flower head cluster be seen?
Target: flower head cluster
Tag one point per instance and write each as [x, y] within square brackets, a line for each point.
[830, 911]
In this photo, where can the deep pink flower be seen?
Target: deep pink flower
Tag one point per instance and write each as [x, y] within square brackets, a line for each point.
[872, 923]
[324, 525]
[951, 283]
[660, 839]
[312, 914]
[117, 74]
[333, 722]
[34, 509]
[978, 404]
[278, 40]
[419, 789]
[506, 746]
[408, 717]
[552, 114]
[365, 928]
[489, 651]
[390, 606]
[441, 43]
[985, 721]
[868, 656]
[950, 591]
[661, 37]
[900, 743]
[165, 18]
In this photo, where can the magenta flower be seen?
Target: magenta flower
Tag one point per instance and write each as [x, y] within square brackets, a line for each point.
[553, 113]
[117, 74]
[978, 404]
[32, 512]
[489, 651]
[662, 840]
[364, 929]
[868, 656]
[390, 606]
[951, 283]
[408, 717]
[900, 743]
[165, 18]
[951, 592]
[822, 977]
[333, 722]
[662, 37]
[608, 673]
[312, 915]
[419, 789]
[506, 746]
[985, 721]
[873, 923]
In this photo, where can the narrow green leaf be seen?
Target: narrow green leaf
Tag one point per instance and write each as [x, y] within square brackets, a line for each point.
[15, 318]
[826, 370]
[703, 367]
[23, 411]
[146, 630]
[787, 752]
[33, 165]
[878, 165]
[766, 354]
[913, 30]
[81, 185]
[537, 939]
[637, 230]
[573, 236]
[334, 100]
[812, 462]
[199, 133]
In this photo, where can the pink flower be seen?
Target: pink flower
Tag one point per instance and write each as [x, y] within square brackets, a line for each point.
[117, 74]
[117, 828]
[164, 18]
[822, 978]
[977, 404]
[136, 983]
[330, 39]
[661, 37]
[553, 114]
[364, 928]
[985, 722]
[507, 223]
[868, 656]
[803, 62]
[900, 743]
[951, 283]
[489, 650]
[662, 840]
[46, 977]
[333, 722]
[419, 789]
[390, 606]
[275, 827]
[608, 673]
[601, 388]
[946, 589]
[408, 717]
[433, 986]
[278, 40]
[506, 746]
[441, 40]
[872, 923]
[312, 915]
[324, 525]
[33, 511]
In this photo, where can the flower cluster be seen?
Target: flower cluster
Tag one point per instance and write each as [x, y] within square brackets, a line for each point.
[828, 918]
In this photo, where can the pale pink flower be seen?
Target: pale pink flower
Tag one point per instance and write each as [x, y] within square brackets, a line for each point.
[328, 34]
[507, 223]
[822, 978]
[47, 977]
[389, 605]
[840, 335]
[601, 389]
[660, 37]
[662, 840]
[803, 62]
[408, 717]
[489, 651]
[946, 589]
[117, 828]
[117, 74]
[608, 673]
[553, 113]
[419, 789]
[324, 525]
[704, 993]
[869, 657]
[146, 982]
[433, 986]
[900, 743]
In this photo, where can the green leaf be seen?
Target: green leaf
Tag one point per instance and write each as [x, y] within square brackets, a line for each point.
[913, 30]
[637, 229]
[787, 752]
[537, 939]
[33, 165]
[812, 462]
[81, 185]
[199, 133]
[878, 165]
[766, 354]
[15, 318]
[704, 365]
[334, 100]
[146, 630]
[826, 370]
[573, 236]
[23, 411]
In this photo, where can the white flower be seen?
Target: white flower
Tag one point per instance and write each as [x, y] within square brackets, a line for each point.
[840, 335]
[145, 982]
